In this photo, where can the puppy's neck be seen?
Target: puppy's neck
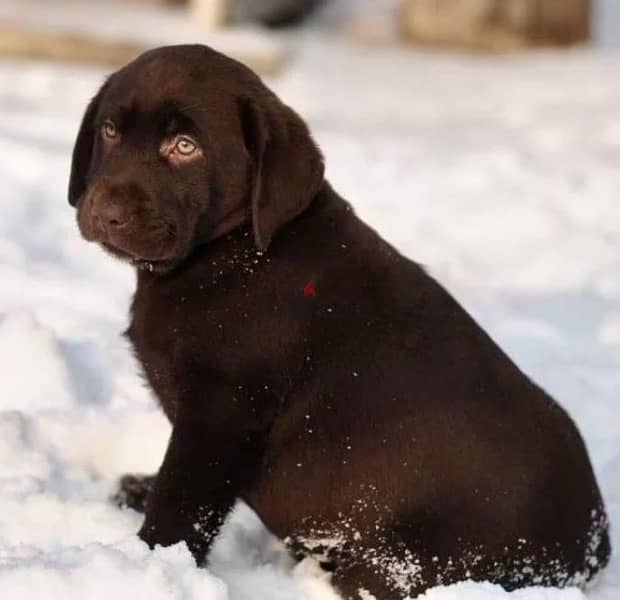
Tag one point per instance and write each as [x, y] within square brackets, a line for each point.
[208, 231]
[215, 257]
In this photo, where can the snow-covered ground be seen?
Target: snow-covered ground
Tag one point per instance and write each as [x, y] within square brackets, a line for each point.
[500, 174]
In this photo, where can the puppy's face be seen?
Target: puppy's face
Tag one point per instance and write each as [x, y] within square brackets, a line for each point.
[181, 146]
[149, 184]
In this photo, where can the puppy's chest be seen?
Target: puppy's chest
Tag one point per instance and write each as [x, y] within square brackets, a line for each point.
[234, 334]
[155, 347]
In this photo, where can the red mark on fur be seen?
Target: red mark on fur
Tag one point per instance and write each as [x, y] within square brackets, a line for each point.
[309, 290]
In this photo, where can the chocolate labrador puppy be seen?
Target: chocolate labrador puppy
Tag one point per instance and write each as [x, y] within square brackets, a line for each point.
[305, 365]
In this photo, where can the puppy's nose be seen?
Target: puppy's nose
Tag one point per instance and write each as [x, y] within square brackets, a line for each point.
[109, 214]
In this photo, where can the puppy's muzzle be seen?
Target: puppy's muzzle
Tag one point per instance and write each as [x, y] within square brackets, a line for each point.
[109, 216]
[111, 209]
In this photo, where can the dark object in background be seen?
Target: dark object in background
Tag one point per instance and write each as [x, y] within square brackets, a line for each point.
[372, 423]
[133, 491]
[274, 13]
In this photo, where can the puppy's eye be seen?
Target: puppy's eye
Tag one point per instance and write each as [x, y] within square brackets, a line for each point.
[108, 130]
[180, 148]
[185, 146]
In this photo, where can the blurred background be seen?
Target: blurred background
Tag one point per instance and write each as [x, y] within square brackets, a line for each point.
[112, 31]
[480, 137]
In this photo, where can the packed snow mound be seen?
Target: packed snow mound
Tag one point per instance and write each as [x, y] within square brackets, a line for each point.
[34, 373]
[98, 572]
[485, 591]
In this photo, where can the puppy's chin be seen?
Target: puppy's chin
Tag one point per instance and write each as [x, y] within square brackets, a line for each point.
[155, 263]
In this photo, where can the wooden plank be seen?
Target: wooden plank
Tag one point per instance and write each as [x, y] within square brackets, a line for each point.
[33, 43]
[91, 32]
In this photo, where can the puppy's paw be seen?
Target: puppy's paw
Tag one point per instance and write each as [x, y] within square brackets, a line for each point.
[133, 491]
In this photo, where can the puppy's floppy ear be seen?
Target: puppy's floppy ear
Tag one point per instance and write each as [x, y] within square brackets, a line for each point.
[287, 166]
[83, 150]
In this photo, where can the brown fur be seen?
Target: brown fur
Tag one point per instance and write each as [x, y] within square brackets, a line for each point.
[374, 423]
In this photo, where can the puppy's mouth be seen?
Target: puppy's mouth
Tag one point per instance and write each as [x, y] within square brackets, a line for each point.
[140, 262]
[147, 248]
[151, 246]
[148, 241]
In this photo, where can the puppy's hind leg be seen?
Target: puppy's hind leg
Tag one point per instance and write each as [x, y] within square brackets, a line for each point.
[359, 582]
[133, 491]
[361, 569]
[381, 568]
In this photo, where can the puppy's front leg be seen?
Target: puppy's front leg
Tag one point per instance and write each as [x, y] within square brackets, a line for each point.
[197, 484]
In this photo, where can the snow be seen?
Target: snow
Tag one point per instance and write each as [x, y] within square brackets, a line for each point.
[499, 174]
[98, 572]
[24, 342]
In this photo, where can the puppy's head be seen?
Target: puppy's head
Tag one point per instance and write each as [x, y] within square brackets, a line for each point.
[181, 146]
